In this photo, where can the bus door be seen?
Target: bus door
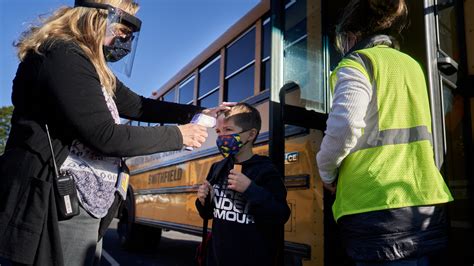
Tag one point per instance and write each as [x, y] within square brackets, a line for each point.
[451, 115]
[299, 99]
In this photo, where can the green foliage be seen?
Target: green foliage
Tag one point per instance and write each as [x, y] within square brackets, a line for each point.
[5, 125]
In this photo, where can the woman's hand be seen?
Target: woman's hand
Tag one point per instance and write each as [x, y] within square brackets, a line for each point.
[203, 191]
[193, 135]
[222, 107]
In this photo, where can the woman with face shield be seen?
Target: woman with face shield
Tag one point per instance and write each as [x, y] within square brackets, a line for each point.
[69, 103]
[377, 154]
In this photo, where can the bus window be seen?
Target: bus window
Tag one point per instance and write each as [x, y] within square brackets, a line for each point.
[266, 52]
[240, 53]
[209, 83]
[186, 91]
[303, 54]
[210, 100]
[448, 36]
[170, 96]
[469, 34]
[447, 26]
[240, 59]
[240, 86]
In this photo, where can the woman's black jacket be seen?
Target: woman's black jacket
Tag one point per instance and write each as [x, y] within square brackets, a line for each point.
[61, 87]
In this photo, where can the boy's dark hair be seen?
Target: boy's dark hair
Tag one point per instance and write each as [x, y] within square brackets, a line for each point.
[245, 116]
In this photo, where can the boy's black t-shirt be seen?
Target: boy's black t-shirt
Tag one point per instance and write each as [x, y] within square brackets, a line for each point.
[247, 228]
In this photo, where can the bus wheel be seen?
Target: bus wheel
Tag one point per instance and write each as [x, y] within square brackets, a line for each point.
[141, 238]
[135, 236]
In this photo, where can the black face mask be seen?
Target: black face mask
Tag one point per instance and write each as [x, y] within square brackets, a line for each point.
[118, 50]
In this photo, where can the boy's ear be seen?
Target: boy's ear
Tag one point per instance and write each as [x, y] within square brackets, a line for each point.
[252, 134]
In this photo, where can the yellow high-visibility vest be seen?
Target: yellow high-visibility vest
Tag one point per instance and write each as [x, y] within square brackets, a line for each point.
[392, 164]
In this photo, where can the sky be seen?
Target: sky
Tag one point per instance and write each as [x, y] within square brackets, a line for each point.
[173, 33]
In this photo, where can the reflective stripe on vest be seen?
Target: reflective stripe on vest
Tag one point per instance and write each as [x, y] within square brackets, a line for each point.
[390, 136]
[392, 163]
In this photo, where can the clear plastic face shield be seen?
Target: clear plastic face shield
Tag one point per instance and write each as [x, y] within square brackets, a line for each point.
[121, 36]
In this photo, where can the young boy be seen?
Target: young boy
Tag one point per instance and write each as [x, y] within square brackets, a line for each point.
[248, 206]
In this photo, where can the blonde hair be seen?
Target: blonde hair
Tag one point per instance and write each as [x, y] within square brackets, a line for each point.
[84, 26]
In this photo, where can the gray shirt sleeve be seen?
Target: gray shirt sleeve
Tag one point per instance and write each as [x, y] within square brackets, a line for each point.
[352, 95]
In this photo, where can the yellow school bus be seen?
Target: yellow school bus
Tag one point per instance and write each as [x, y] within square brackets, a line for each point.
[278, 57]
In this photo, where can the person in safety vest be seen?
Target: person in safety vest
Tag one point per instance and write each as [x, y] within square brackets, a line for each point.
[377, 150]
